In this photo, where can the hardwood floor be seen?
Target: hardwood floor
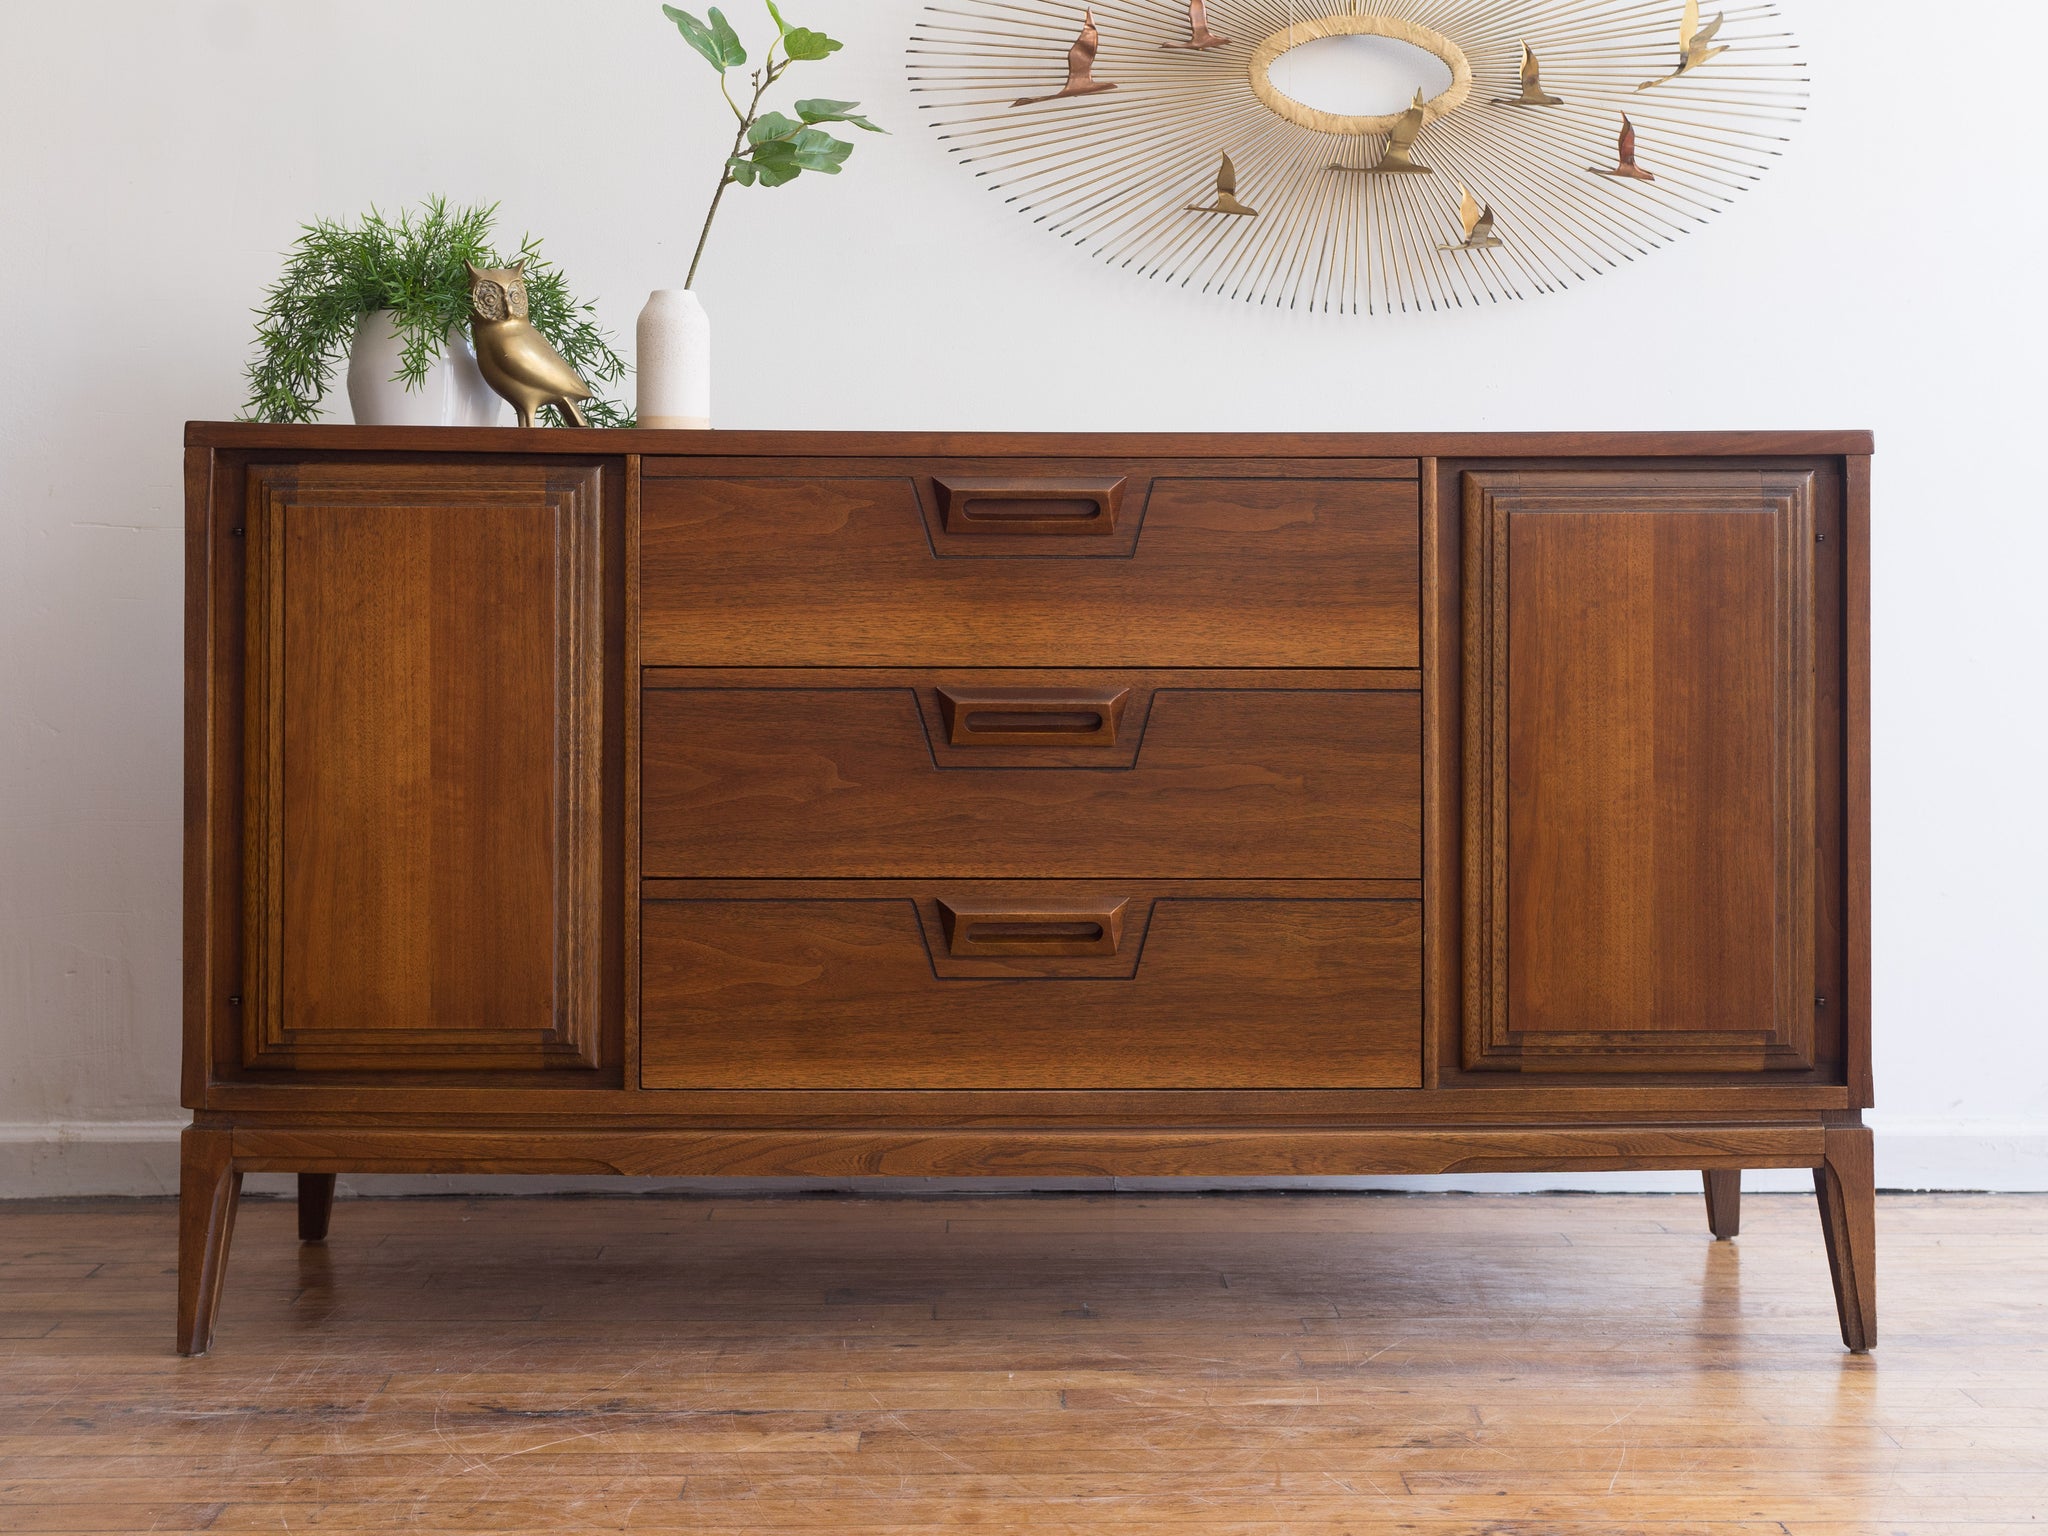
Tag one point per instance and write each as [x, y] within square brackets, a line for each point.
[1438, 1365]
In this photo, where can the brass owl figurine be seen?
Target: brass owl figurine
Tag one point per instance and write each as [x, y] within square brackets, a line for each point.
[516, 359]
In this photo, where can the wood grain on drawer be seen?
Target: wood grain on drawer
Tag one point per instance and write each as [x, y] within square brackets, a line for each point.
[1031, 563]
[1179, 774]
[865, 985]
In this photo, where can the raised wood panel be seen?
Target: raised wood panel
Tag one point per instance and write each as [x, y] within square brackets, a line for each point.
[1639, 714]
[1260, 775]
[851, 563]
[424, 757]
[1210, 985]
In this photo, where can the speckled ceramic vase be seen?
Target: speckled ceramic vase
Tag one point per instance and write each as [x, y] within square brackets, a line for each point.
[673, 361]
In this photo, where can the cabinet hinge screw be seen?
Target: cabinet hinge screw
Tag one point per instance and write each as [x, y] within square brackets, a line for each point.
[236, 532]
[1820, 1002]
[234, 999]
[1820, 538]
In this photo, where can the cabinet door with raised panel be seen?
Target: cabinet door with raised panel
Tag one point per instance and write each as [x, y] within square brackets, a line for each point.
[423, 766]
[1639, 770]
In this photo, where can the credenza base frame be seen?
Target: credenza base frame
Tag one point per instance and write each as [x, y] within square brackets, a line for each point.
[216, 1157]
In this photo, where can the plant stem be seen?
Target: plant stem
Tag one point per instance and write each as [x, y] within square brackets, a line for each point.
[705, 234]
[739, 141]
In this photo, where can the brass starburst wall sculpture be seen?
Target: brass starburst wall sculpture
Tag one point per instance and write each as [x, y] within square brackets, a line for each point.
[1106, 123]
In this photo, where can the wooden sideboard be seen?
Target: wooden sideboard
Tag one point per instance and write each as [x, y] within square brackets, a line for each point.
[828, 804]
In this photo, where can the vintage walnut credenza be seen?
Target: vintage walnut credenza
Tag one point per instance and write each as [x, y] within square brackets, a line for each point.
[1054, 805]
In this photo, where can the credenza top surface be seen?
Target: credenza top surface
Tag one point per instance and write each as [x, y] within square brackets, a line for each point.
[721, 443]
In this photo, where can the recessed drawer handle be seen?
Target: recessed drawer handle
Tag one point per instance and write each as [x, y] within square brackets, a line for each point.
[1041, 931]
[1033, 506]
[975, 931]
[991, 722]
[1032, 717]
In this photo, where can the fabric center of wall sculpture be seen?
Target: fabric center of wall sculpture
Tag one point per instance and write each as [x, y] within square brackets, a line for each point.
[1230, 145]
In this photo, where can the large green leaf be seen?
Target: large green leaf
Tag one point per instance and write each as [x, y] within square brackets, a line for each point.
[816, 150]
[772, 125]
[776, 164]
[695, 33]
[727, 39]
[781, 160]
[803, 43]
[816, 109]
[717, 41]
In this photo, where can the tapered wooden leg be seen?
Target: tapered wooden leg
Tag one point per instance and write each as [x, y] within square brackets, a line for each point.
[316, 1206]
[1847, 1186]
[1724, 1201]
[209, 1188]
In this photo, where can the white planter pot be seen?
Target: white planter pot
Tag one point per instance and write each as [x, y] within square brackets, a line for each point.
[454, 394]
[673, 361]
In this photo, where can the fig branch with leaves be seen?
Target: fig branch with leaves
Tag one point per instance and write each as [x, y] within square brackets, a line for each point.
[770, 148]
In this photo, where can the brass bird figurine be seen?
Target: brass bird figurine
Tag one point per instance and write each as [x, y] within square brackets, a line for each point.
[1199, 35]
[1226, 194]
[1692, 43]
[1398, 158]
[1478, 222]
[1080, 65]
[1533, 94]
[1625, 156]
[516, 359]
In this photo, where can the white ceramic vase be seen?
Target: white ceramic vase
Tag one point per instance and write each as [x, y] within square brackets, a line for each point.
[673, 361]
[454, 394]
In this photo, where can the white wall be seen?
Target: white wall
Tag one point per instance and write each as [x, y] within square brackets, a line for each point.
[158, 157]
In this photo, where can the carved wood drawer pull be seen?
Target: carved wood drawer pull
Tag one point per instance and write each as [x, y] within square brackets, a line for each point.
[993, 932]
[1081, 506]
[1032, 717]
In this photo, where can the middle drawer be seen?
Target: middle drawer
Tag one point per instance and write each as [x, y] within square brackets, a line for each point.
[1091, 773]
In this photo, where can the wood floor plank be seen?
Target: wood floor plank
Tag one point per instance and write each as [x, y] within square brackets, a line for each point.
[1201, 1366]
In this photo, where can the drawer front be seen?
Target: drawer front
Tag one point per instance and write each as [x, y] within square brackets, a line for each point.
[1084, 774]
[1035, 984]
[1029, 563]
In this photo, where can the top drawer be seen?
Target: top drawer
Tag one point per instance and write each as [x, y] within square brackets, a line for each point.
[1025, 563]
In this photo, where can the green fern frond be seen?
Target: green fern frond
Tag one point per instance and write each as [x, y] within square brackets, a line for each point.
[336, 273]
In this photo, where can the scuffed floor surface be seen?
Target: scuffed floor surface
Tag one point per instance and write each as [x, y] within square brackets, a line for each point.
[1444, 1365]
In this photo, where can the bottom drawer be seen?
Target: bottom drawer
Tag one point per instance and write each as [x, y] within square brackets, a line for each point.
[1029, 984]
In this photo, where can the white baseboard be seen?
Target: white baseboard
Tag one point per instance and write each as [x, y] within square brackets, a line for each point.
[121, 1157]
[88, 1157]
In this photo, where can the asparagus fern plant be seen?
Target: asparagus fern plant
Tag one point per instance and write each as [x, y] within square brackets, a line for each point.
[413, 266]
[769, 148]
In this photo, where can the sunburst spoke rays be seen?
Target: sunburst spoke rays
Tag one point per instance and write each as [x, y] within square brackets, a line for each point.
[1130, 175]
